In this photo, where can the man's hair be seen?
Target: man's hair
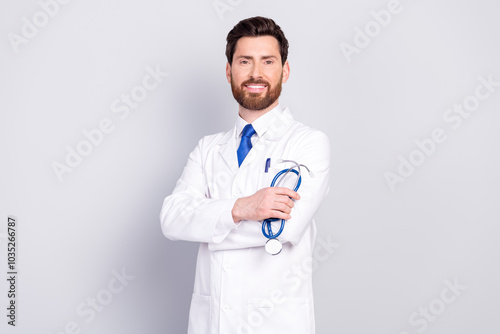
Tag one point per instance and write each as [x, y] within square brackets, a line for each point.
[254, 27]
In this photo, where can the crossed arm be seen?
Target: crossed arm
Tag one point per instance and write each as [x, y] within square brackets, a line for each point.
[270, 202]
[234, 223]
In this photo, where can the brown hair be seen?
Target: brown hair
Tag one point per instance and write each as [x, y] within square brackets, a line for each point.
[253, 27]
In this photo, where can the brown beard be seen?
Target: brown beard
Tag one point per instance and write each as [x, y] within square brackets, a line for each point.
[253, 101]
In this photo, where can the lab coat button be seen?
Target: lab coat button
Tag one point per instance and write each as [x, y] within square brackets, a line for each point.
[228, 267]
[226, 308]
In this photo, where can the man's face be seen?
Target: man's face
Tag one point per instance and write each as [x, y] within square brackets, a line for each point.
[256, 73]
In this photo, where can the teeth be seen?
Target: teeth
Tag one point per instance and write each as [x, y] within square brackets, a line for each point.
[256, 86]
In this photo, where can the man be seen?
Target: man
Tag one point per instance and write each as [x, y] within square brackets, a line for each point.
[224, 194]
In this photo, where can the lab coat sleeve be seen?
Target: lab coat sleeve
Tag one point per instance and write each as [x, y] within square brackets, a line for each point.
[187, 214]
[313, 150]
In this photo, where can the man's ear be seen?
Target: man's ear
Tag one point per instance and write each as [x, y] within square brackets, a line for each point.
[286, 72]
[228, 72]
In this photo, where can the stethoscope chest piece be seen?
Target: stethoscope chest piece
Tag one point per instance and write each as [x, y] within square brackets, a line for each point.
[273, 246]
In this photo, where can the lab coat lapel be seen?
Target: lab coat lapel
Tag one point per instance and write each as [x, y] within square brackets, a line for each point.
[228, 151]
[279, 125]
[277, 128]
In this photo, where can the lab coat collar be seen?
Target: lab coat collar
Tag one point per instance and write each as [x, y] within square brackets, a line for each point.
[261, 124]
[270, 128]
[271, 125]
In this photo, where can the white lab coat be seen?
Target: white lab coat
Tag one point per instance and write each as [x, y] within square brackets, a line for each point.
[239, 288]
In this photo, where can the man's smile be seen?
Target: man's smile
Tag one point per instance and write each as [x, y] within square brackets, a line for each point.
[255, 88]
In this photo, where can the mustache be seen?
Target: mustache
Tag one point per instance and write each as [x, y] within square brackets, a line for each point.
[253, 81]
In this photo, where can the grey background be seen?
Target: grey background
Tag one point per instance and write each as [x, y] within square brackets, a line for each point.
[396, 248]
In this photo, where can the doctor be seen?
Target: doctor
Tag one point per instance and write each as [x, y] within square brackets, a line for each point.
[224, 194]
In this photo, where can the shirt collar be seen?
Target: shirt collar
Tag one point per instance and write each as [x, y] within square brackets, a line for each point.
[261, 124]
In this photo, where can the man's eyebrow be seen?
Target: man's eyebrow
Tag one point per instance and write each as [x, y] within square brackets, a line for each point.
[263, 57]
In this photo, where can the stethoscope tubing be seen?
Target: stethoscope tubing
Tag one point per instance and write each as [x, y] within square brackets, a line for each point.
[266, 224]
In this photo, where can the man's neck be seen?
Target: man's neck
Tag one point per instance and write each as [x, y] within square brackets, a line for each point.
[251, 115]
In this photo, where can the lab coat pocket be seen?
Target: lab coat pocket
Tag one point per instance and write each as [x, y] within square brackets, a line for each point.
[286, 315]
[266, 178]
[199, 314]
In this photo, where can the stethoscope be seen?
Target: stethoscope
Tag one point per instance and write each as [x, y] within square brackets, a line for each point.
[273, 245]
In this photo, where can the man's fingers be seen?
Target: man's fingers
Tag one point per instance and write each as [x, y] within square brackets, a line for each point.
[286, 191]
[281, 215]
[282, 207]
[285, 200]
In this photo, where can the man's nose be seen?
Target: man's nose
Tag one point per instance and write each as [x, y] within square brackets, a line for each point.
[256, 72]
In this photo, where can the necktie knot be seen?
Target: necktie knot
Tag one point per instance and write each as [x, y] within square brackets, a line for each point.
[248, 131]
[246, 143]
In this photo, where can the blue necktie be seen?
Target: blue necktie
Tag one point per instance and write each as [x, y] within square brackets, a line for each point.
[245, 144]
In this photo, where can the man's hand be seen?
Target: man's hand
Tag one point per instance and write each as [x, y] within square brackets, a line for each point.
[270, 202]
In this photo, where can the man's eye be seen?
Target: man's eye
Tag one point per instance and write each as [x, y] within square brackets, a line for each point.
[244, 62]
[269, 62]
